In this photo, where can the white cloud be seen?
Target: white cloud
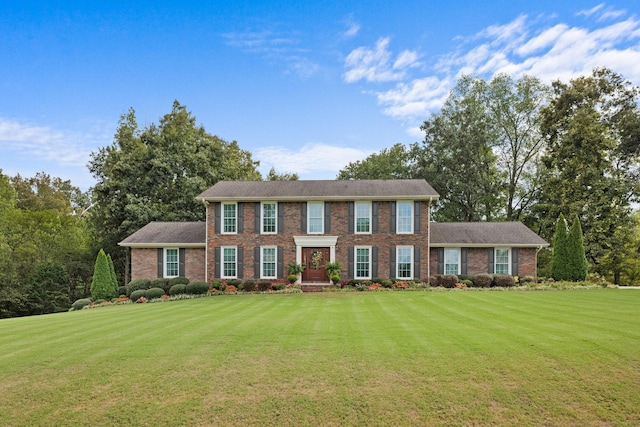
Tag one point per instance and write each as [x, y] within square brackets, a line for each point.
[602, 12]
[375, 65]
[353, 28]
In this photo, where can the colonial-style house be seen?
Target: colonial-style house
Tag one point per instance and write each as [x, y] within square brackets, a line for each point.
[373, 228]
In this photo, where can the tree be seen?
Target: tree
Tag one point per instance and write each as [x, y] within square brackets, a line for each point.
[390, 163]
[155, 173]
[589, 169]
[577, 265]
[102, 284]
[50, 289]
[274, 176]
[112, 273]
[560, 255]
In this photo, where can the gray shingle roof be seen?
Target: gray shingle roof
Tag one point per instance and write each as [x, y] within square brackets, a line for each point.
[469, 234]
[154, 234]
[415, 189]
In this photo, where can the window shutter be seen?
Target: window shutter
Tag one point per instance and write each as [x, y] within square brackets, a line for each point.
[514, 261]
[491, 264]
[181, 262]
[327, 217]
[257, 227]
[416, 217]
[217, 217]
[256, 262]
[351, 267]
[160, 262]
[280, 265]
[463, 261]
[240, 263]
[440, 261]
[280, 218]
[351, 219]
[374, 261]
[392, 262]
[374, 217]
[392, 217]
[303, 217]
[216, 259]
[240, 217]
[416, 262]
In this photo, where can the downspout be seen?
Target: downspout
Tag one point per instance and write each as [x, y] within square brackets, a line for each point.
[536, 263]
[429, 242]
[206, 240]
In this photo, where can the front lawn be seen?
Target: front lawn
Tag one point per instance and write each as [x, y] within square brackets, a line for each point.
[394, 358]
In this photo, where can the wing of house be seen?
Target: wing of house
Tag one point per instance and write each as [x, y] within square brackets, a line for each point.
[373, 228]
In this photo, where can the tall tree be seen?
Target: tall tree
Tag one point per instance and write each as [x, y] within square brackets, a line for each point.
[390, 163]
[102, 283]
[156, 172]
[560, 253]
[577, 265]
[275, 176]
[589, 169]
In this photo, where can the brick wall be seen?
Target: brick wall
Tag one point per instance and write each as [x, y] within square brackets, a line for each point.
[478, 260]
[144, 263]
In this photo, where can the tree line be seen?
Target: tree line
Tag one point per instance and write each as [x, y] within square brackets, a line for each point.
[501, 150]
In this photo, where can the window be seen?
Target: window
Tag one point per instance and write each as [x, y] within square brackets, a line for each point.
[229, 218]
[404, 262]
[315, 217]
[363, 262]
[363, 217]
[404, 217]
[229, 262]
[502, 261]
[268, 262]
[269, 218]
[171, 262]
[452, 261]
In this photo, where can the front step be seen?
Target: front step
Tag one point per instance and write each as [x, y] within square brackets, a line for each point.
[314, 287]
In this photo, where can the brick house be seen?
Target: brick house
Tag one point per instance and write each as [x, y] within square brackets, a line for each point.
[373, 228]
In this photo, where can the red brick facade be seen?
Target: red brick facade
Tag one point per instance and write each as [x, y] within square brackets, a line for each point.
[144, 264]
[478, 261]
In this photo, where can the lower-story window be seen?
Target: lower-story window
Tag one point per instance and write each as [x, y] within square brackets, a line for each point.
[268, 262]
[171, 262]
[363, 262]
[452, 261]
[502, 261]
[229, 262]
[404, 262]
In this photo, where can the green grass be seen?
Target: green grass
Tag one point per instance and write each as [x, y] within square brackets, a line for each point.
[391, 358]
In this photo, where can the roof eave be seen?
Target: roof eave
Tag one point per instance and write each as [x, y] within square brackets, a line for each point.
[489, 245]
[163, 245]
[311, 197]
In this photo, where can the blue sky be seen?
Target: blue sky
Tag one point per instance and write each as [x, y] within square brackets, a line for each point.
[306, 86]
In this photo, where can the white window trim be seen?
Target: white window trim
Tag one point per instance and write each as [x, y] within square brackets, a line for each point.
[459, 260]
[222, 269]
[262, 218]
[495, 259]
[410, 202]
[355, 262]
[165, 262]
[315, 202]
[411, 251]
[222, 217]
[275, 262]
[355, 217]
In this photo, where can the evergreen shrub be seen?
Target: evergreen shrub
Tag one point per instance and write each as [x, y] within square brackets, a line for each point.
[155, 293]
[197, 288]
[161, 283]
[178, 289]
[503, 281]
[137, 294]
[448, 280]
[80, 304]
[137, 284]
[122, 290]
[278, 286]
[234, 282]
[250, 285]
[178, 281]
[216, 285]
[482, 280]
[264, 285]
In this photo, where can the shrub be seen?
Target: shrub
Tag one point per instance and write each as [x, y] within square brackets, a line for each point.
[137, 294]
[433, 280]
[527, 279]
[216, 285]
[354, 282]
[154, 293]
[462, 277]
[278, 286]
[292, 278]
[178, 289]
[387, 283]
[468, 283]
[377, 280]
[179, 281]
[335, 279]
[503, 281]
[482, 280]
[197, 288]
[249, 285]
[264, 285]
[230, 289]
[161, 283]
[234, 282]
[448, 280]
[103, 285]
[137, 284]
[122, 290]
[80, 304]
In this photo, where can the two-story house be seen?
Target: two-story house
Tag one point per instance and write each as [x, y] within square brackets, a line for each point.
[373, 228]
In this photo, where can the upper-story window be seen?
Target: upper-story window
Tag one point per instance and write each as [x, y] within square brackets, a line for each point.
[404, 215]
[363, 217]
[269, 217]
[315, 217]
[502, 261]
[229, 218]
[171, 262]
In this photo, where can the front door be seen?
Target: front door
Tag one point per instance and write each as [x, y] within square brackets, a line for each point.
[314, 260]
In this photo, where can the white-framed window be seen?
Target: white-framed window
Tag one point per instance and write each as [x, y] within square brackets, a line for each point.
[404, 262]
[229, 262]
[315, 217]
[269, 218]
[362, 217]
[404, 217]
[268, 262]
[362, 256]
[229, 218]
[503, 261]
[452, 261]
[171, 268]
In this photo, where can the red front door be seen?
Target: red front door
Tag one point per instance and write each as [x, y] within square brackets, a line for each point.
[314, 260]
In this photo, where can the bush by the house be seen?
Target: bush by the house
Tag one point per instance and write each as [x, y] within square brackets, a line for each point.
[80, 304]
[292, 278]
[122, 290]
[433, 281]
[445, 280]
[482, 280]
[197, 288]
[216, 285]
[155, 293]
[524, 280]
[468, 283]
[264, 285]
[278, 286]
[179, 281]
[178, 289]
[249, 285]
[234, 282]
[138, 284]
[161, 283]
[137, 294]
[503, 281]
